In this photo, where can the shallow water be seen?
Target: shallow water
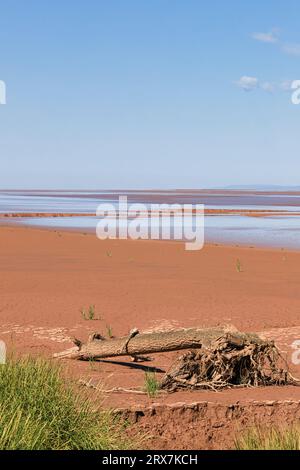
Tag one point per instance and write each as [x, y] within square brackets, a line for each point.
[277, 231]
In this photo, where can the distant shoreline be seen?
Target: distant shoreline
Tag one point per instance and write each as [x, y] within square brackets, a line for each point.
[210, 212]
[12, 223]
[233, 217]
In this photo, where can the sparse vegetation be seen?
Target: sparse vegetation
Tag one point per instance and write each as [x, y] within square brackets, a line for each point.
[109, 331]
[92, 363]
[38, 410]
[271, 439]
[90, 314]
[151, 384]
[238, 266]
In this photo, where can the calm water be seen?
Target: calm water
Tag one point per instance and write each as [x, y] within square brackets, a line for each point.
[279, 231]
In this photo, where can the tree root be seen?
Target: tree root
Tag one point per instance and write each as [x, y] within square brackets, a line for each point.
[226, 363]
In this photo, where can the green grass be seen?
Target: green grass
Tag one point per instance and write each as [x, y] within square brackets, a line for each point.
[109, 331]
[238, 265]
[273, 439]
[90, 314]
[38, 411]
[151, 384]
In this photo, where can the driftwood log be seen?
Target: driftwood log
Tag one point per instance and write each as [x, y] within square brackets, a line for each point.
[137, 344]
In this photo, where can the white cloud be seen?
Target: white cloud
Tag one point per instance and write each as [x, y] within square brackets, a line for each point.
[268, 87]
[270, 38]
[291, 49]
[273, 38]
[247, 83]
[286, 85]
[252, 83]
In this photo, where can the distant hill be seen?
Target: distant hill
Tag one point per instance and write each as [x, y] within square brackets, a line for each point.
[262, 187]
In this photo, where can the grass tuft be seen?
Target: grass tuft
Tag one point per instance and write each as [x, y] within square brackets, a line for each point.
[272, 439]
[238, 266]
[109, 331]
[151, 384]
[39, 411]
[90, 314]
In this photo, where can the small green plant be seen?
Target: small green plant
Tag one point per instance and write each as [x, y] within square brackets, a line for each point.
[109, 331]
[238, 265]
[151, 384]
[90, 314]
[271, 439]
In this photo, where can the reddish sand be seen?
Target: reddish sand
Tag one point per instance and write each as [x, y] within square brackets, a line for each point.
[47, 277]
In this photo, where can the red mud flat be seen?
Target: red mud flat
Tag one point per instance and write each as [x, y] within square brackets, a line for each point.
[46, 277]
[211, 212]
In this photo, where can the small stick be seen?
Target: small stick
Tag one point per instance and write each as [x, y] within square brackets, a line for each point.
[112, 390]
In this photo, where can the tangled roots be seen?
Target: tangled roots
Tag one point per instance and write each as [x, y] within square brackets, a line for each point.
[229, 363]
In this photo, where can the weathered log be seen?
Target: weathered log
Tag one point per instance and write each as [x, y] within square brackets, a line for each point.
[148, 343]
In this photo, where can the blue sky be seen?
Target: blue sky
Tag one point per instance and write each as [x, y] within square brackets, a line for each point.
[148, 94]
